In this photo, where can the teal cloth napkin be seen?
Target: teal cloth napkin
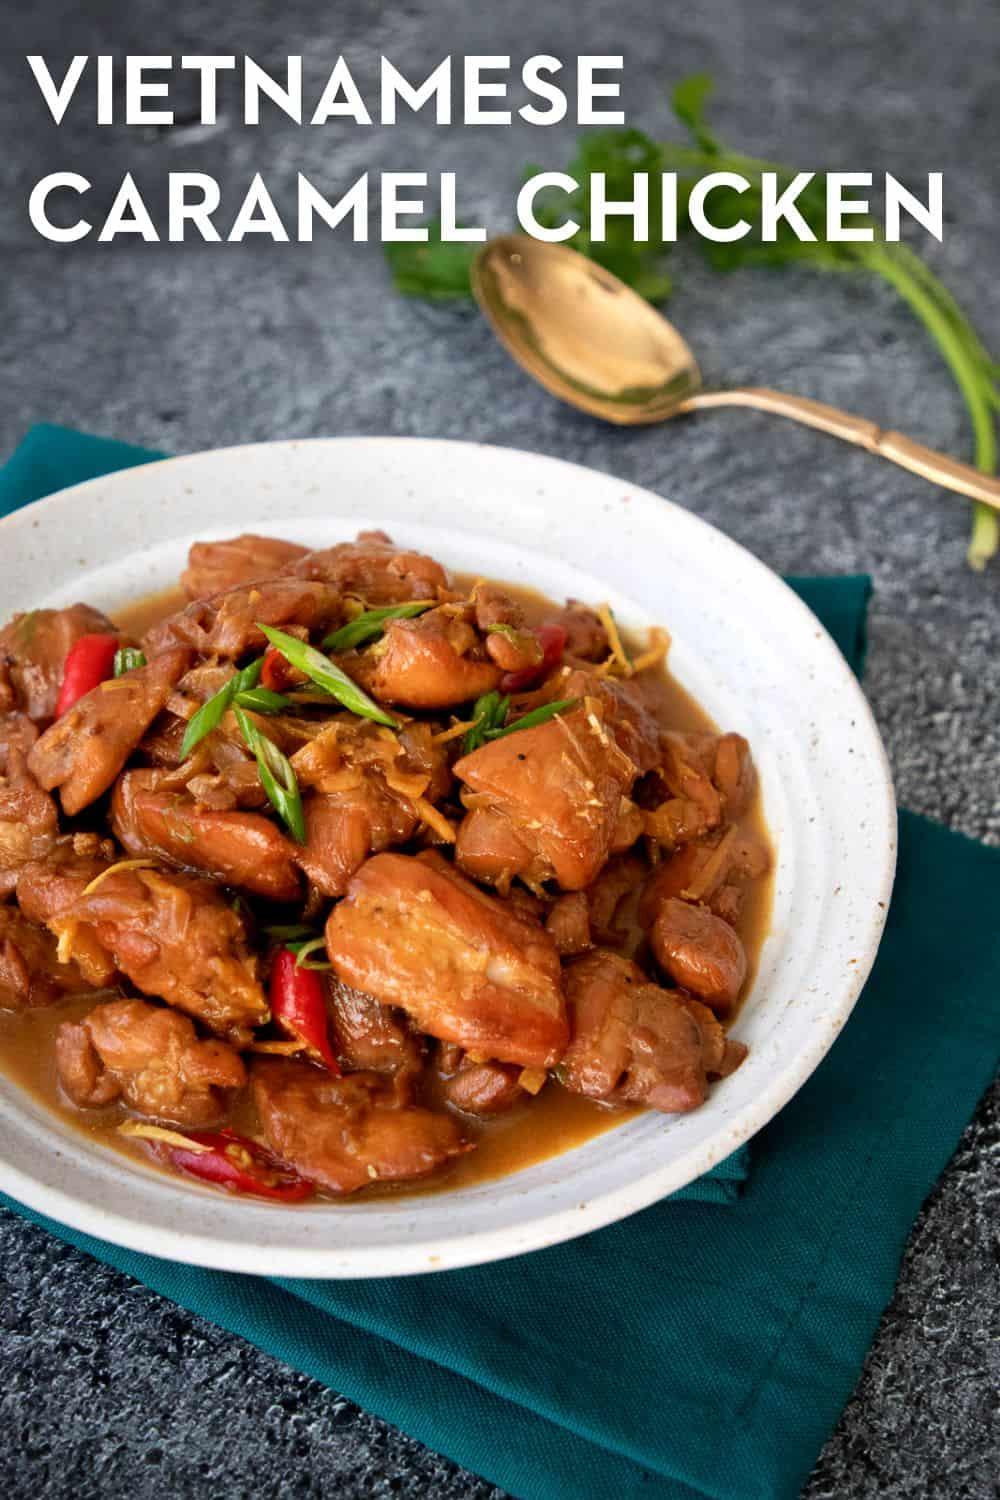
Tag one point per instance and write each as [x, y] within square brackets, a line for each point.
[684, 1352]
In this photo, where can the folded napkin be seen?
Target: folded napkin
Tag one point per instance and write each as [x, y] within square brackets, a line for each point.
[684, 1352]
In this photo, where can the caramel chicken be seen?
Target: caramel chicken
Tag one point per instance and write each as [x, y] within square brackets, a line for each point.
[465, 967]
[346, 1133]
[346, 861]
[149, 1057]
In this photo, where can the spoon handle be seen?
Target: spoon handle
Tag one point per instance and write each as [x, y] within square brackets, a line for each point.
[898, 449]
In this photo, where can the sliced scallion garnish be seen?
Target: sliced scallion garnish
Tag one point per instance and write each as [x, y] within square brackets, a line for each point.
[489, 712]
[276, 776]
[322, 671]
[212, 712]
[537, 716]
[128, 659]
[367, 626]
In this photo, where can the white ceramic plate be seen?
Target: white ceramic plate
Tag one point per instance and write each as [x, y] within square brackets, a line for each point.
[744, 645]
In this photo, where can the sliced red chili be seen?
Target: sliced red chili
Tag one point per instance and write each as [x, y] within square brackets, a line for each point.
[89, 662]
[239, 1165]
[553, 642]
[277, 674]
[298, 1005]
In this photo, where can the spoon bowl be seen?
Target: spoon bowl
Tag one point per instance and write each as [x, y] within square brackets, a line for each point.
[582, 333]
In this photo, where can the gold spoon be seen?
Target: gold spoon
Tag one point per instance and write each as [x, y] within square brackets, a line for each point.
[589, 339]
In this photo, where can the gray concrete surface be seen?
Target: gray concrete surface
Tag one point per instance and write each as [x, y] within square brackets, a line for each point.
[107, 1389]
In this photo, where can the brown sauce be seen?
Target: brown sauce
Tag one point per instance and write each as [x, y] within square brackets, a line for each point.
[536, 1129]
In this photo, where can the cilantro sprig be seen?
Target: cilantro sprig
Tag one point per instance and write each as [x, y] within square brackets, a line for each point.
[436, 270]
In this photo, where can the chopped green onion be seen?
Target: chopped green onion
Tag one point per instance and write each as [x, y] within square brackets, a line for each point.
[276, 776]
[489, 712]
[211, 713]
[304, 951]
[322, 671]
[263, 701]
[128, 659]
[507, 630]
[289, 932]
[536, 717]
[365, 627]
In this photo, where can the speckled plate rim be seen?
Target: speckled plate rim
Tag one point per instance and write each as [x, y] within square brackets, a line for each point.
[744, 644]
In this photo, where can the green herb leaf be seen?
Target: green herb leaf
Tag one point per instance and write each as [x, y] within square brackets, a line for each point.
[289, 932]
[276, 776]
[537, 716]
[262, 700]
[320, 670]
[304, 951]
[688, 101]
[436, 271]
[128, 659]
[212, 712]
[367, 626]
[488, 712]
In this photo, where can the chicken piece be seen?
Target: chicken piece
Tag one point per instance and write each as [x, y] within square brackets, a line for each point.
[33, 649]
[608, 894]
[700, 952]
[346, 1133]
[84, 750]
[17, 732]
[216, 567]
[635, 730]
[48, 887]
[560, 786]
[373, 569]
[371, 1037]
[343, 828]
[484, 1088]
[568, 924]
[714, 873]
[488, 849]
[494, 606]
[586, 637]
[30, 972]
[734, 774]
[243, 849]
[365, 778]
[150, 1058]
[431, 662]
[226, 624]
[466, 967]
[174, 936]
[29, 822]
[710, 778]
[632, 1042]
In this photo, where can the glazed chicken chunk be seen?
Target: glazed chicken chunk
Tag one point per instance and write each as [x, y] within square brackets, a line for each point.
[464, 966]
[29, 821]
[174, 937]
[227, 624]
[699, 951]
[346, 1133]
[244, 849]
[85, 749]
[30, 971]
[33, 650]
[373, 568]
[635, 1043]
[149, 1057]
[432, 662]
[558, 787]
[217, 567]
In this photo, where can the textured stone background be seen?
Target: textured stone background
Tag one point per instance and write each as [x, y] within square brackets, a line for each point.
[108, 1389]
